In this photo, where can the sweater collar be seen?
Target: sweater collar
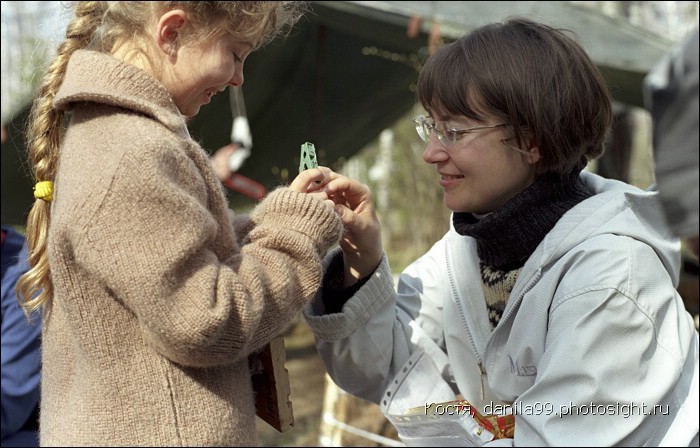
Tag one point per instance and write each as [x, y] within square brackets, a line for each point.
[97, 77]
[508, 236]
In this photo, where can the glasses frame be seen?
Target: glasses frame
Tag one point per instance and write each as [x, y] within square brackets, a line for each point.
[425, 126]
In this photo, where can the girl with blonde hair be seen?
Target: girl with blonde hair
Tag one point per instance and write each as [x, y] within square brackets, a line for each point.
[153, 292]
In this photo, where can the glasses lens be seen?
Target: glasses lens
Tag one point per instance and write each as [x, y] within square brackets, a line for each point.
[422, 127]
[425, 126]
[427, 129]
[423, 132]
[446, 136]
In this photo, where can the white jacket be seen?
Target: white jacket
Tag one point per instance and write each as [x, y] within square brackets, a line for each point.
[593, 326]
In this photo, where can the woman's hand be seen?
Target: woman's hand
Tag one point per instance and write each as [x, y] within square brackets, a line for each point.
[313, 181]
[361, 241]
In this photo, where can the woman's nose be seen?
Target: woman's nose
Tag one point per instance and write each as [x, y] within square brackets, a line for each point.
[434, 151]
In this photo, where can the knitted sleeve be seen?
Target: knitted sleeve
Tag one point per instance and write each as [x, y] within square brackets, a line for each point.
[161, 244]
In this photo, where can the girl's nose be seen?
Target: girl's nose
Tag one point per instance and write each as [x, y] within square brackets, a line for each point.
[237, 79]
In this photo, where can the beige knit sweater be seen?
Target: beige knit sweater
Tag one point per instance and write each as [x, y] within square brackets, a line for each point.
[158, 298]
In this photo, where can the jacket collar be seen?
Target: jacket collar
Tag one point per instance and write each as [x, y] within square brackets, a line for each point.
[97, 77]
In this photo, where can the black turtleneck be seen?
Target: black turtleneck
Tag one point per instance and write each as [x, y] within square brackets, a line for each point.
[508, 236]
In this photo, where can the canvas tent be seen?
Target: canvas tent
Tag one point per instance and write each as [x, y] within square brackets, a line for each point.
[348, 71]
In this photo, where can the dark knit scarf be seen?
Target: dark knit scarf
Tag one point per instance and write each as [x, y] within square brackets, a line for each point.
[508, 236]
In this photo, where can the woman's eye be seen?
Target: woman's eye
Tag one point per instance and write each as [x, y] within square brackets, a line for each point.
[452, 134]
[236, 58]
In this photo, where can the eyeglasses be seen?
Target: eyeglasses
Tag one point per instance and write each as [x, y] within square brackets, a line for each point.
[446, 136]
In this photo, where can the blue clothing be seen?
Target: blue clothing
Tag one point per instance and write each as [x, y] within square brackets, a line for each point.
[21, 357]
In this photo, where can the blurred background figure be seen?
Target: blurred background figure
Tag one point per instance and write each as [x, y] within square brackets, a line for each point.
[228, 159]
[671, 95]
[21, 358]
[220, 161]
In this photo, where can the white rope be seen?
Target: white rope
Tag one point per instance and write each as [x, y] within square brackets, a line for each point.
[329, 419]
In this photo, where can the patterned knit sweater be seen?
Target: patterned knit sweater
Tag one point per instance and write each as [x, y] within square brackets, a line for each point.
[507, 237]
[159, 299]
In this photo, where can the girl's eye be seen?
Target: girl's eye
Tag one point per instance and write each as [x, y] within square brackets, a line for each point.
[236, 58]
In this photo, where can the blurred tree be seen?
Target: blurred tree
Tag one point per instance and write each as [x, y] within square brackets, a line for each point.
[406, 190]
[29, 29]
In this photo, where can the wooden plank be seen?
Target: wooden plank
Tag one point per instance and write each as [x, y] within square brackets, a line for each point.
[271, 385]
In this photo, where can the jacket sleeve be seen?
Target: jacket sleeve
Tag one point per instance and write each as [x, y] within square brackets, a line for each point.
[364, 346]
[164, 247]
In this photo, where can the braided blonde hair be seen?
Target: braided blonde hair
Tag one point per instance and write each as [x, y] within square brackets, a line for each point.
[99, 26]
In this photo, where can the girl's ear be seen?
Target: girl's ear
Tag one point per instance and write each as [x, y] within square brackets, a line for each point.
[170, 26]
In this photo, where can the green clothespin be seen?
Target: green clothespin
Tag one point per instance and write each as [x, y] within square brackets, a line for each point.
[307, 160]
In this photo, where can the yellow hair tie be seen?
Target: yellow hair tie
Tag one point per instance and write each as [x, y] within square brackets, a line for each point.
[44, 190]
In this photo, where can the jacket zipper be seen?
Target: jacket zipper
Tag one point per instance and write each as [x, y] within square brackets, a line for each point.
[455, 297]
[530, 285]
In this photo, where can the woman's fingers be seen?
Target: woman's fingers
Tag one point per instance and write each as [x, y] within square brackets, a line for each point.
[311, 180]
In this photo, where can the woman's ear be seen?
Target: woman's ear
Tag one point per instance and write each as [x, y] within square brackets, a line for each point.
[170, 27]
[533, 155]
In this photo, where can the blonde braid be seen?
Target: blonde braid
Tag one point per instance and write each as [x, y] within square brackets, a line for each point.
[44, 135]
